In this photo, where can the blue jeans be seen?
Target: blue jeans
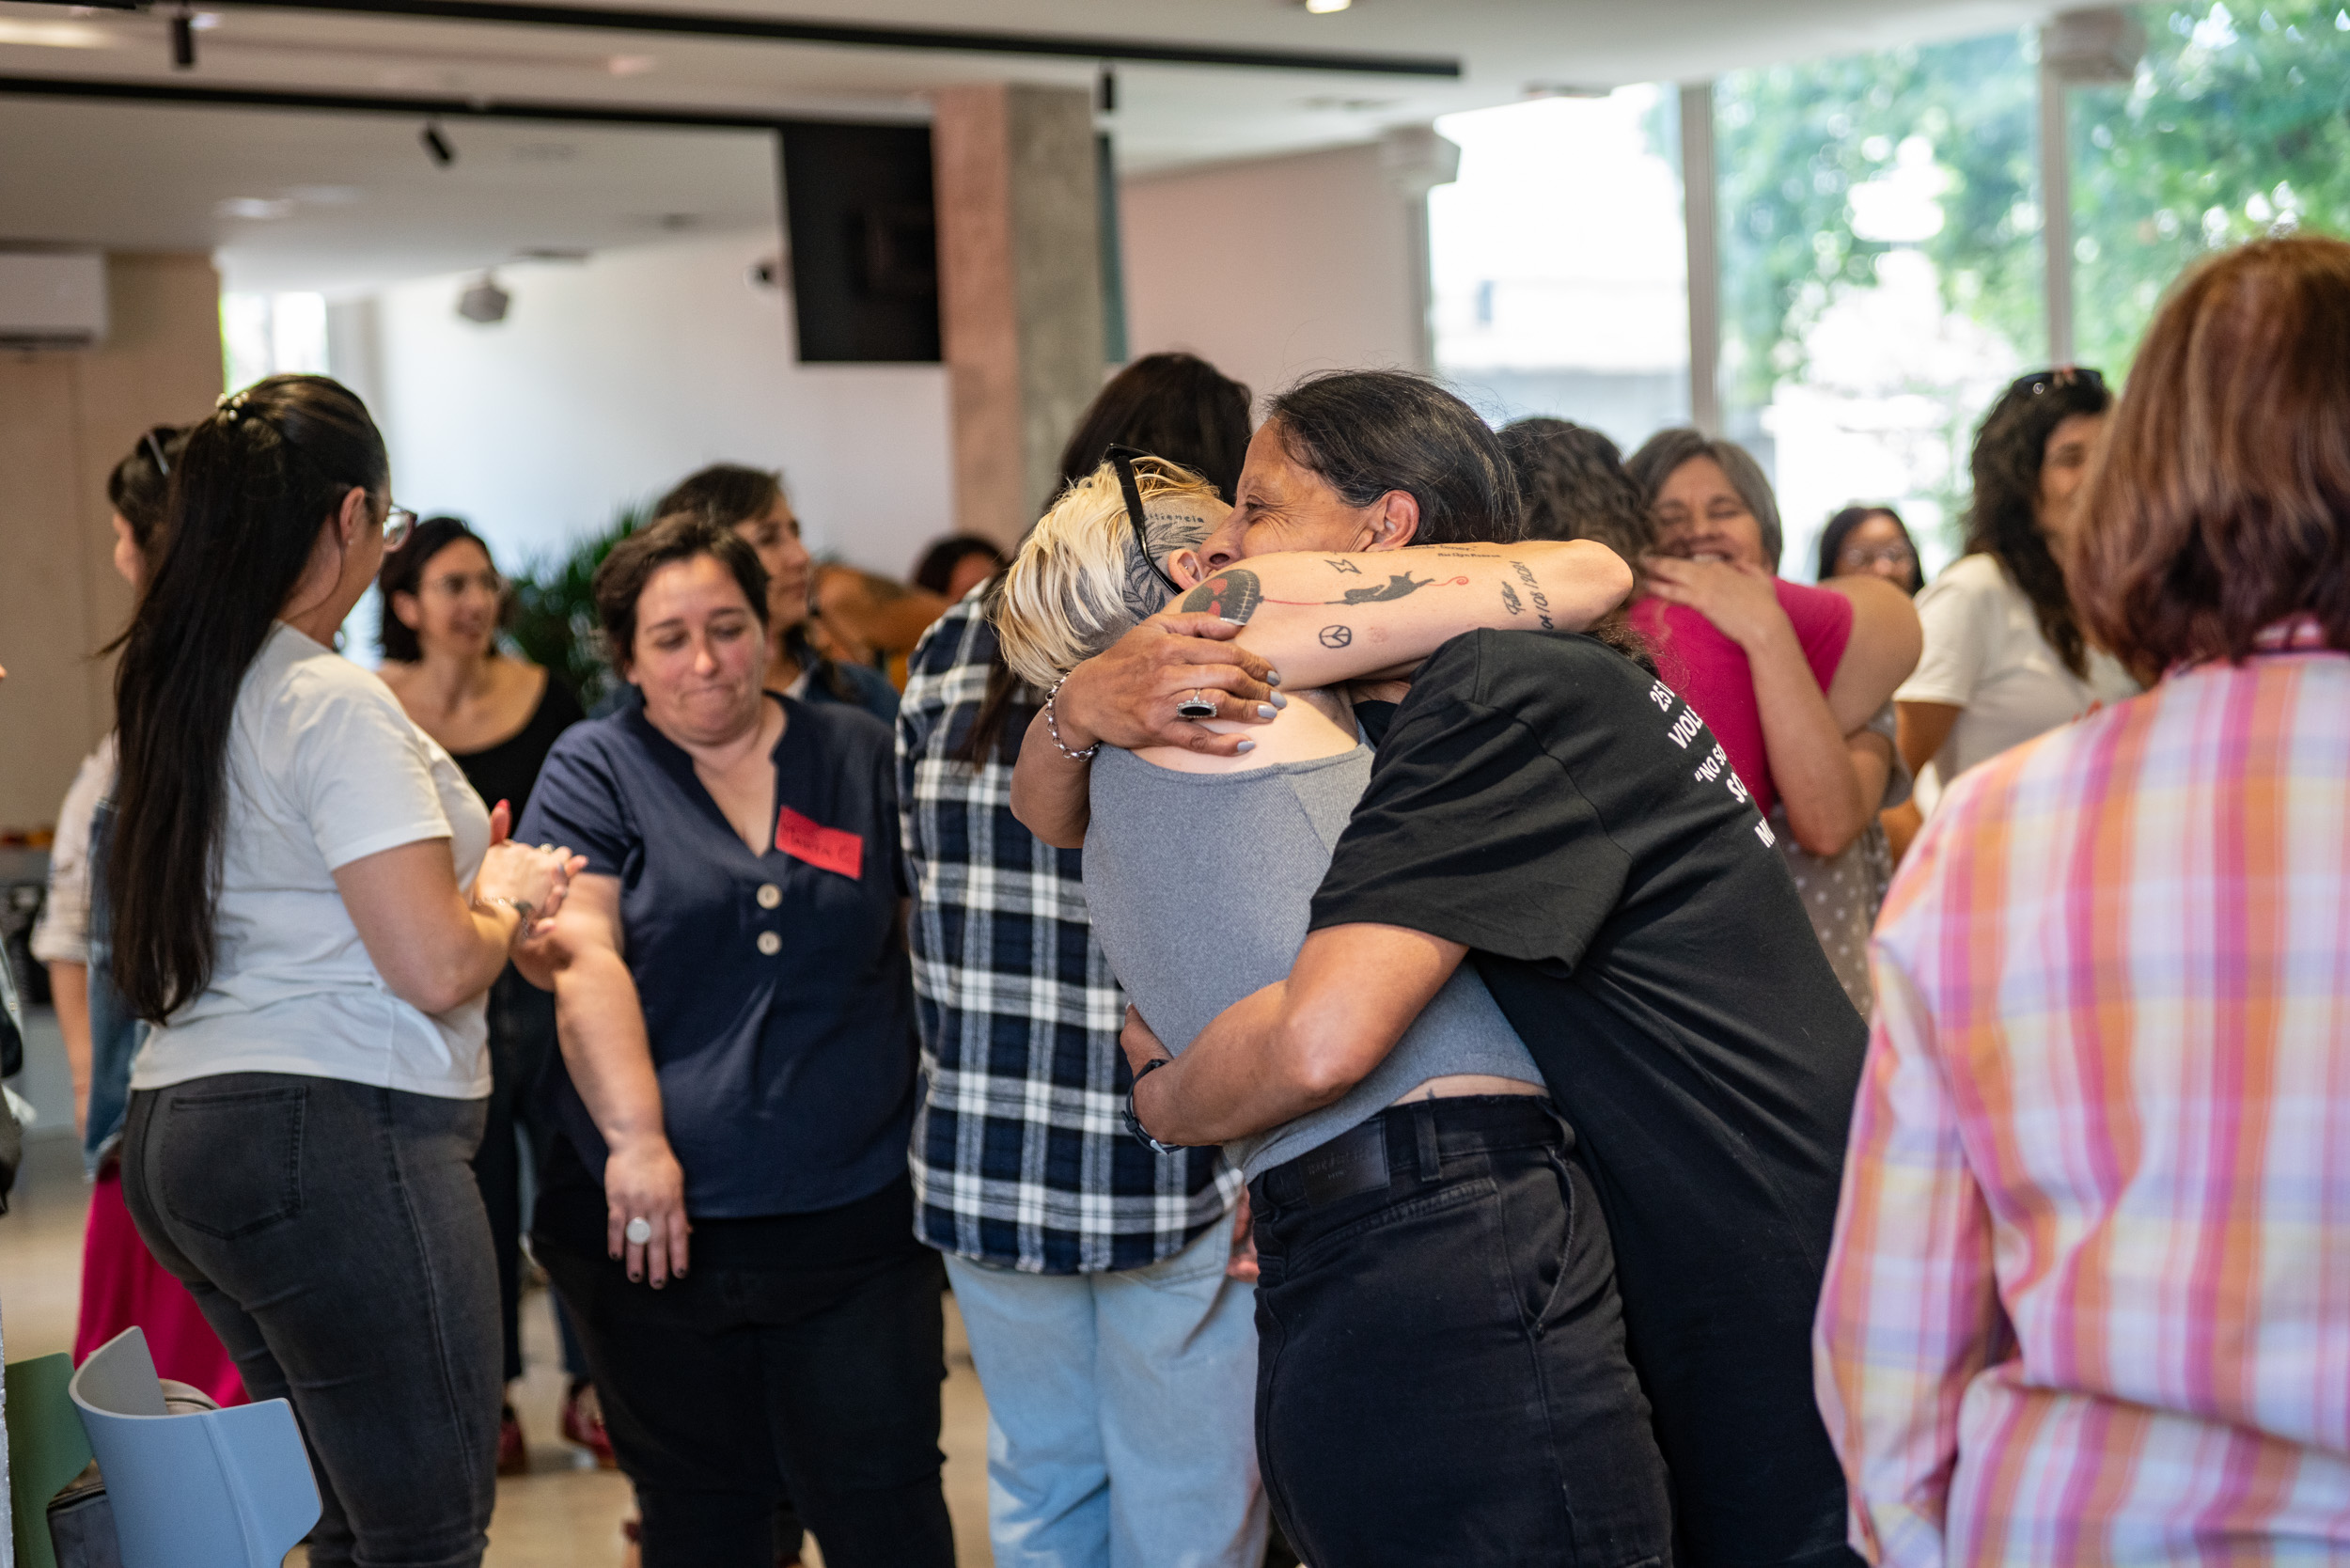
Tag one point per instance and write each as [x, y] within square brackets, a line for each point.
[1119, 1412]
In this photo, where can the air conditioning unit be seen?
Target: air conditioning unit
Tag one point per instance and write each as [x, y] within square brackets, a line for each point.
[53, 299]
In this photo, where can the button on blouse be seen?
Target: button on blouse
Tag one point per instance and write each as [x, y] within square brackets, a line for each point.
[776, 987]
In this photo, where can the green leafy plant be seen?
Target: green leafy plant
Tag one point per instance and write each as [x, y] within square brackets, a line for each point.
[553, 619]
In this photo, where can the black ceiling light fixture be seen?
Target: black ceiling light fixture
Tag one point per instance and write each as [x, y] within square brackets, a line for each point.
[1105, 92]
[436, 146]
[183, 39]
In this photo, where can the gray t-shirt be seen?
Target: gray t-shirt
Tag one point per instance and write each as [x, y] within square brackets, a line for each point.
[1199, 887]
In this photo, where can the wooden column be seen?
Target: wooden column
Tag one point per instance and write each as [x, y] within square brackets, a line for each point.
[66, 417]
[1020, 291]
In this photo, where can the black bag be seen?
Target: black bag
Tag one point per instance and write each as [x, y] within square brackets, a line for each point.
[82, 1523]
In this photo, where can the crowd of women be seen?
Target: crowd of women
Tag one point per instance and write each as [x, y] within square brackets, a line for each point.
[1366, 964]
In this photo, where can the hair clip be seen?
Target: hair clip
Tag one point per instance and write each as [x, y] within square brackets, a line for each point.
[231, 407]
[155, 449]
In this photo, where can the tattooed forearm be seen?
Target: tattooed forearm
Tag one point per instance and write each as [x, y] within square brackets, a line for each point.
[1534, 591]
[1336, 636]
[1398, 587]
[1346, 567]
[1509, 600]
[1233, 595]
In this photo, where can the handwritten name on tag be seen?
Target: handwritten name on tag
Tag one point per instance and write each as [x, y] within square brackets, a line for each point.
[827, 849]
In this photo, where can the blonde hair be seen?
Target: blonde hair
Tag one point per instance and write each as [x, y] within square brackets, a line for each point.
[1080, 582]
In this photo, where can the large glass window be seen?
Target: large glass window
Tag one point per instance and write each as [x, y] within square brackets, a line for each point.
[272, 335]
[2237, 125]
[1881, 273]
[1559, 262]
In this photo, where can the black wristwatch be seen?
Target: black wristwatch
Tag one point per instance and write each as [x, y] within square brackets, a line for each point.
[1133, 1123]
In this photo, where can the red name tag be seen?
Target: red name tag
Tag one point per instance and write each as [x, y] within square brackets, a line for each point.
[826, 848]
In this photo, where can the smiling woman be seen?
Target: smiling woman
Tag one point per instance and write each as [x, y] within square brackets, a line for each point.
[736, 1085]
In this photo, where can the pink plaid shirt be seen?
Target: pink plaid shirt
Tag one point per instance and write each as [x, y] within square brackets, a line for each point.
[2089, 1297]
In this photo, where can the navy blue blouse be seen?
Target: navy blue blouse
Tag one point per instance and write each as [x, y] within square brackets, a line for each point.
[776, 987]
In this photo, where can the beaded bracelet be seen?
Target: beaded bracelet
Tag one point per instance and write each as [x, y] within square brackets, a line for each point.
[1085, 756]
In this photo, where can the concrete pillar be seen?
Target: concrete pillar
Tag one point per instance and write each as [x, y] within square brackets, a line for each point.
[1020, 291]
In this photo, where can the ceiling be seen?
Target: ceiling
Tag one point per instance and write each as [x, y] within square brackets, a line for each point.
[345, 202]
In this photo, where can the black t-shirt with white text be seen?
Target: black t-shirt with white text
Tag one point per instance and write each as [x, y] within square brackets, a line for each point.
[1545, 801]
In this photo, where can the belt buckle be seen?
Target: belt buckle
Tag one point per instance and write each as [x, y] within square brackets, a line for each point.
[1354, 1163]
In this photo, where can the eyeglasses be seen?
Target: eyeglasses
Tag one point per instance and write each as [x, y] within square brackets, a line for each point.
[398, 524]
[453, 584]
[2038, 381]
[1122, 458]
[1853, 557]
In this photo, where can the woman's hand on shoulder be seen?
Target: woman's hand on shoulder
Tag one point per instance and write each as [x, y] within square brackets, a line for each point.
[1740, 600]
[1128, 694]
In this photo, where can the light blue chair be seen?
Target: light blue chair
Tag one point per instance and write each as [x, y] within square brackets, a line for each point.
[212, 1489]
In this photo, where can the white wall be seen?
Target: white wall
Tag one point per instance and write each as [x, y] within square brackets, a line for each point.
[610, 380]
[1272, 268]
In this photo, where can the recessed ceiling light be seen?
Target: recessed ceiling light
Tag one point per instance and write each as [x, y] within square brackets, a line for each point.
[1324, 7]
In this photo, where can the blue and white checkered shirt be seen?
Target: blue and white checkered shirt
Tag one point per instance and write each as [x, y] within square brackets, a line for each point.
[1020, 1157]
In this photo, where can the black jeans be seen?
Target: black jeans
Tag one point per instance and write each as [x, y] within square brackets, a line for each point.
[768, 1368]
[1440, 1367]
[334, 1236]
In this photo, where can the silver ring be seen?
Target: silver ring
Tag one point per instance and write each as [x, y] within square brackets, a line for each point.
[639, 1230]
[1196, 706]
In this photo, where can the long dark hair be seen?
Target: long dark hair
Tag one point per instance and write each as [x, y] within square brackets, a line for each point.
[1177, 406]
[1367, 433]
[729, 495]
[250, 492]
[2004, 518]
[1840, 529]
[403, 571]
[1573, 484]
[140, 486]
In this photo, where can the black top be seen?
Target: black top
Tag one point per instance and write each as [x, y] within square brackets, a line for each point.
[507, 770]
[776, 987]
[1542, 799]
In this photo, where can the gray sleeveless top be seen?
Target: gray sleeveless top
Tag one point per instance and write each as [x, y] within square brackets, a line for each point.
[1199, 887]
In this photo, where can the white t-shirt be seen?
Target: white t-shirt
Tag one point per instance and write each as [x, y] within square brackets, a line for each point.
[324, 769]
[1984, 655]
[61, 935]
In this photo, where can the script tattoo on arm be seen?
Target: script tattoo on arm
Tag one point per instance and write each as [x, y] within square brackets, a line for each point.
[1511, 602]
[1233, 595]
[1533, 591]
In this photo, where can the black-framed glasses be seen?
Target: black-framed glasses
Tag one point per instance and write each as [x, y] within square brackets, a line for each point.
[2037, 381]
[399, 523]
[1122, 458]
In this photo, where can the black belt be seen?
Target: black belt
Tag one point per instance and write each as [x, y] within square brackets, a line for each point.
[1358, 1161]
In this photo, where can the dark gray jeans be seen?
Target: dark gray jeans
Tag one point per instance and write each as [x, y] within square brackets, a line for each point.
[334, 1236]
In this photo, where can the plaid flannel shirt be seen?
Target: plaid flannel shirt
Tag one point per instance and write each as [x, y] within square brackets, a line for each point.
[1020, 1157]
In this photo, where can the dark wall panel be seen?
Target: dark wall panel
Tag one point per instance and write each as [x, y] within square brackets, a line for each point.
[864, 234]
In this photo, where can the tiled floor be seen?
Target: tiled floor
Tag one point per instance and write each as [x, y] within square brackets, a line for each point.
[557, 1516]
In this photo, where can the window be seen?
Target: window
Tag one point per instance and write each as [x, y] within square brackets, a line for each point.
[272, 335]
[2233, 129]
[1558, 264]
[1881, 274]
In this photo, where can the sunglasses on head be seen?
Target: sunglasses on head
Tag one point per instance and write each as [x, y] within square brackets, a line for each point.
[1122, 458]
[2038, 381]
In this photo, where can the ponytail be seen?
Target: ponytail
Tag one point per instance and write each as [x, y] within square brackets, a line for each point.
[250, 489]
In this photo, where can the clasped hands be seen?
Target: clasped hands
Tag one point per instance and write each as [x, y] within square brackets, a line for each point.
[520, 875]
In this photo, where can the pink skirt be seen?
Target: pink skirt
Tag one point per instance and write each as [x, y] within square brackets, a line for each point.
[124, 1287]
